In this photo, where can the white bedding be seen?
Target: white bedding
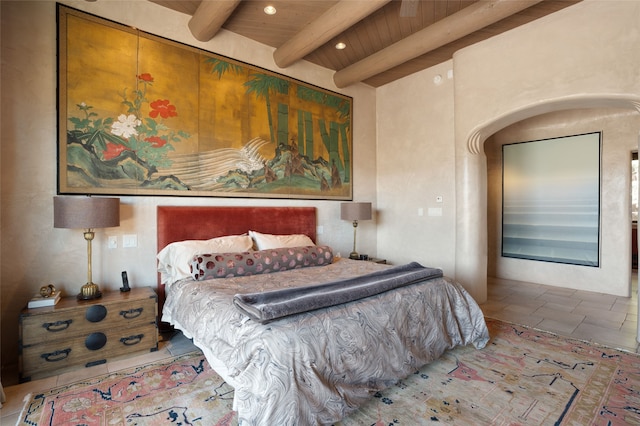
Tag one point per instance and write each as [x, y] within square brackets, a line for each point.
[317, 367]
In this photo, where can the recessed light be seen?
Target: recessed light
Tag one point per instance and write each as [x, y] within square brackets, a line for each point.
[270, 10]
[340, 45]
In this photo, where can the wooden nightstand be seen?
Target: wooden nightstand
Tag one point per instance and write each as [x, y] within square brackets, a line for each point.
[83, 333]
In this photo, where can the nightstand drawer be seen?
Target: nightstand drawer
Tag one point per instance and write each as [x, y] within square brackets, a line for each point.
[56, 356]
[73, 322]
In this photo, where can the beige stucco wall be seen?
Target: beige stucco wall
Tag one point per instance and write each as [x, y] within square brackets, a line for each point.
[416, 164]
[619, 129]
[33, 252]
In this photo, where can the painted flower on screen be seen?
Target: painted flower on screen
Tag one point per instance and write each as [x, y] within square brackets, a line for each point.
[125, 126]
[163, 108]
[141, 130]
[156, 141]
[113, 151]
[145, 77]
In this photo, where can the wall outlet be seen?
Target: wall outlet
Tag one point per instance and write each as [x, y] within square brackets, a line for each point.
[113, 242]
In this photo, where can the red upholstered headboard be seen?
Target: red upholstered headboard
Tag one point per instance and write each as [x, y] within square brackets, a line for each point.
[179, 223]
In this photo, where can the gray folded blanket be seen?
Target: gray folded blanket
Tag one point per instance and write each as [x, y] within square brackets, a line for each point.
[270, 305]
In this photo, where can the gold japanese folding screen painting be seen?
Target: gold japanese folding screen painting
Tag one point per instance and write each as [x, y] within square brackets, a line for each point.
[142, 115]
[551, 200]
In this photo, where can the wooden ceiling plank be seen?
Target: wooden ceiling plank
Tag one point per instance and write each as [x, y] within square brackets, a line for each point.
[375, 39]
[414, 22]
[356, 46]
[408, 8]
[331, 23]
[453, 27]
[209, 18]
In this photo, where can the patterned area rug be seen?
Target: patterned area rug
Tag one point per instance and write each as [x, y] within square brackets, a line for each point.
[522, 377]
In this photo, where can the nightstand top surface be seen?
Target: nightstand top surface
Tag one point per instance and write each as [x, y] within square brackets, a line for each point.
[108, 297]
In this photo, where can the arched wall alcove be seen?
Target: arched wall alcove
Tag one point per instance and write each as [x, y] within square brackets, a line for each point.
[584, 56]
[471, 179]
[580, 101]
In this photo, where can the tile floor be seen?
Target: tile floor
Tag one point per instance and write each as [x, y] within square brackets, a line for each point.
[601, 318]
[596, 317]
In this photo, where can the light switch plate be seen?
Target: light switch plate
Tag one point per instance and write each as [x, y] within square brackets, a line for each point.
[130, 240]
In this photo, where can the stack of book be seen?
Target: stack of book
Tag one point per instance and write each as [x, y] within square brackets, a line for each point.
[38, 301]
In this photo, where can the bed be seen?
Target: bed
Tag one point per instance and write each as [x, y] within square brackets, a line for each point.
[312, 366]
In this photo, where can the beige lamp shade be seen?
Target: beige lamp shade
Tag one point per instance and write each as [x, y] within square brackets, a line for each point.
[86, 212]
[355, 211]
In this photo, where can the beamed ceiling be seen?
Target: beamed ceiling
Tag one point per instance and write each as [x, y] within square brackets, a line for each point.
[386, 40]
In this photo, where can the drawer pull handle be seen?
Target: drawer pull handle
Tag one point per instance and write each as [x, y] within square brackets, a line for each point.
[56, 356]
[57, 326]
[131, 340]
[131, 313]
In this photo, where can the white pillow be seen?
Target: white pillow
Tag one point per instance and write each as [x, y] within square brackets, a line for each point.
[175, 259]
[270, 241]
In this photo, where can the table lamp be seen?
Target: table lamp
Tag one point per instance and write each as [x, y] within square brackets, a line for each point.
[87, 213]
[355, 212]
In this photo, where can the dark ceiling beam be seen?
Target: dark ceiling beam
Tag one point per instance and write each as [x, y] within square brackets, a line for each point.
[209, 18]
[333, 22]
[472, 18]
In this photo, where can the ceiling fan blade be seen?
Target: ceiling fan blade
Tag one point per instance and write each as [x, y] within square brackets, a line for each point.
[408, 8]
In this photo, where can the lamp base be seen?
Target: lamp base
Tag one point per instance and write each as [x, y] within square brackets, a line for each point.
[89, 291]
[354, 255]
